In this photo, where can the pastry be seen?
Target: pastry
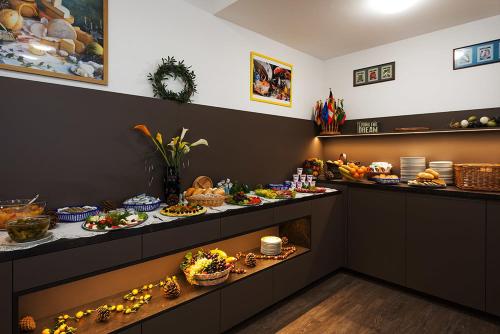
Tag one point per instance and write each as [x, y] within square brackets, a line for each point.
[190, 191]
[433, 172]
[219, 191]
[198, 191]
[183, 210]
[425, 176]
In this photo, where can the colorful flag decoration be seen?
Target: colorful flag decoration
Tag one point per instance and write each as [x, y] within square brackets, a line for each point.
[331, 107]
[324, 113]
[329, 115]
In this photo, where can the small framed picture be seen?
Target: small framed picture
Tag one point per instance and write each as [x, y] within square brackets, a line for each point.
[463, 57]
[485, 53]
[360, 77]
[374, 74]
[476, 54]
[387, 72]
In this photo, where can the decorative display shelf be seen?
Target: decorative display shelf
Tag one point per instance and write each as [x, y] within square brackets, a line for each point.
[411, 133]
[159, 304]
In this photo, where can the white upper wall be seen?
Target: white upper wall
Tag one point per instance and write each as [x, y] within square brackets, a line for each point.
[425, 79]
[141, 33]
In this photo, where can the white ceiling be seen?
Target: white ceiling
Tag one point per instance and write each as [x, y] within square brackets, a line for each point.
[331, 28]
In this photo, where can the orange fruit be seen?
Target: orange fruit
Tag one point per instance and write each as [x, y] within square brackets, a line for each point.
[356, 175]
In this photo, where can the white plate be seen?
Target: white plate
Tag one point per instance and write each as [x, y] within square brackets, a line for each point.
[7, 241]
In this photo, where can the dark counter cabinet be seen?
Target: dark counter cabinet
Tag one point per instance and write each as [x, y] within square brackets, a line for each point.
[5, 297]
[493, 257]
[376, 234]
[445, 248]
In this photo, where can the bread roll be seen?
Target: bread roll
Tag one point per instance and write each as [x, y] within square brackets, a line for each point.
[424, 175]
[198, 191]
[219, 191]
[190, 191]
[433, 172]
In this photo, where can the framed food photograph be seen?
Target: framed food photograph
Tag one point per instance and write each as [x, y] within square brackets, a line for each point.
[270, 80]
[65, 39]
[374, 74]
[476, 54]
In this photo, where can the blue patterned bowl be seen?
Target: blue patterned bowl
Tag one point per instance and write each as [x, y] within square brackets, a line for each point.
[69, 217]
[143, 207]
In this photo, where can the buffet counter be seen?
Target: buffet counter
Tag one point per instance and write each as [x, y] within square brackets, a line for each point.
[99, 267]
[448, 191]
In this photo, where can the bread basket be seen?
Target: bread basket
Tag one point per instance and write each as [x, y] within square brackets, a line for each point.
[209, 200]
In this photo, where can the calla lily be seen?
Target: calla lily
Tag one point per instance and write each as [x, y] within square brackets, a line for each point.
[159, 138]
[183, 133]
[199, 142]
[144, 129]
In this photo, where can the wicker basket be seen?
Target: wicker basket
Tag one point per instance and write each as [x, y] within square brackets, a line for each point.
[209, 200]
[478, 176]
[210, 279]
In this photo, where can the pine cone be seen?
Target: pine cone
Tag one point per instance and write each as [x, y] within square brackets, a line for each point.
[250, 260]
[103, 313]
[27, 324]
[171, 289]
[284, 241]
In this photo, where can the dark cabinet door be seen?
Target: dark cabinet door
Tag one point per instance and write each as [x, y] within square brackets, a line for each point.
[291, 276]
[245, 298]
[239, 223]
[446, 248]
[493, 257]
[131, 330]
[6, 297]
[376, 233]
[198, 316]
[328, 235]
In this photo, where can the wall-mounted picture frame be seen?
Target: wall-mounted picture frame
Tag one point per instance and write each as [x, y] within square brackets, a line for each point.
[270, 80]
[374, 74]
[65, 39]
[476, 54]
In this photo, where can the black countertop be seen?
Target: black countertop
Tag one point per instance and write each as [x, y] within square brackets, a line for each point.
[448, 191]
[63, 244]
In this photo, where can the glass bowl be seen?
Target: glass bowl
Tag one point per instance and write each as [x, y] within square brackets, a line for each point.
[17, 208]
[29, 228]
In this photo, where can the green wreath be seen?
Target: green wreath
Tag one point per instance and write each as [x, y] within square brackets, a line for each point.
[174, 69]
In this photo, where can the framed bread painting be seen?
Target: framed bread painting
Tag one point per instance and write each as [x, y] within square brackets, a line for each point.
[58, 38]
[270, 80]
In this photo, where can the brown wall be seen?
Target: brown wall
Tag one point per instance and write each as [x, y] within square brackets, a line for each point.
[77, 146]
[457, 147]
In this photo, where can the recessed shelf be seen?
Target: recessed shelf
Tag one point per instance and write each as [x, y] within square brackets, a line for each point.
[413, 133]
[158, 304]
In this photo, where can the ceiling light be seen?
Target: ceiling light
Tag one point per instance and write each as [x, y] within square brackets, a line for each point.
[391, 6]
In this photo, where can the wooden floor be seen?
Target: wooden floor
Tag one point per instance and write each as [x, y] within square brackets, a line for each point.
[346, 303]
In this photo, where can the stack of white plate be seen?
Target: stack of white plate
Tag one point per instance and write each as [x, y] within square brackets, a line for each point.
[270, 245]
[445, 170]
[410, 167]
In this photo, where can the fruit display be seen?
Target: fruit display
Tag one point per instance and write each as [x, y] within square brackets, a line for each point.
[28, 229]
[183, 210]
[313, 166]
[428, 178]
[142, 203]
[76, 213]
[19, 208]
[242, 199]
[114, 220]
[353, 172]
[275, 194]
[206, 268]
[475, 122]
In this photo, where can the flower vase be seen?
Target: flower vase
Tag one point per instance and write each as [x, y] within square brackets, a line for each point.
[172, 186]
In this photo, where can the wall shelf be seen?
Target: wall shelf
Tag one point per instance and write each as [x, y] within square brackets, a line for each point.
[413, 133]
